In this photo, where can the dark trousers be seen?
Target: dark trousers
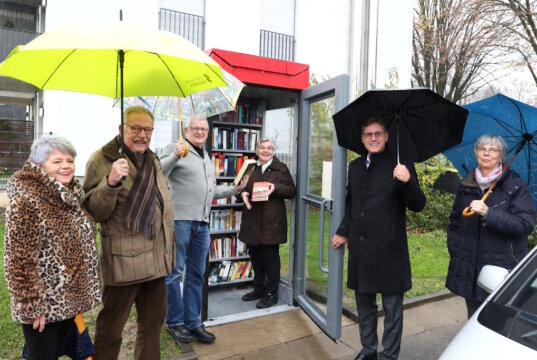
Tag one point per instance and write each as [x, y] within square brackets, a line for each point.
[266, 263]
[393, 324]
[46, 345]
[472, 306]
[150, 300]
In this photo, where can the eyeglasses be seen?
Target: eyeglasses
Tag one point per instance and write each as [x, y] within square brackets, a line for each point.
[483, 150]
[369, 135]
[137, 129]
[202, 129]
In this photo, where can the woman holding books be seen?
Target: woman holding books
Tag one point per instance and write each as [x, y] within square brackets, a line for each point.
[264, 221]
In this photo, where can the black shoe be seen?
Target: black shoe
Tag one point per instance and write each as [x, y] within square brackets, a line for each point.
[179, 333]
[366, 357]
[267, 301]
[202, 335]
[252, 295]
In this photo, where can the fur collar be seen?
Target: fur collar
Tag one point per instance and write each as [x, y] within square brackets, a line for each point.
[38, 183]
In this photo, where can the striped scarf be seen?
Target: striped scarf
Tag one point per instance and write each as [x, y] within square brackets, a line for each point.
[139, 210]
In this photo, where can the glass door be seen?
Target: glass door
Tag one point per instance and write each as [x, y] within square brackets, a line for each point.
[318, 272]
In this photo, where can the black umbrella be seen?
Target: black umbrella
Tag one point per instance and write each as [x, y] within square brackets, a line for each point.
[420, 122]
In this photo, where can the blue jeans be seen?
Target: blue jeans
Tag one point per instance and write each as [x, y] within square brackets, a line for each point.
[192, 245]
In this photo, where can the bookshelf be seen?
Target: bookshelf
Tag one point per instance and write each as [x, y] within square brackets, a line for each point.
[233, 138]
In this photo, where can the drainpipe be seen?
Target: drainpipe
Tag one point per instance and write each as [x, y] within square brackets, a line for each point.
[351, 42]
[294, 30]
[203, 28]
[364, 48]
[37, 111]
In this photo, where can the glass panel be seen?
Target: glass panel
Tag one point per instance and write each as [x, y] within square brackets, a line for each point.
[527, 300]
[279, 127]
[320, 147]
[316, 279]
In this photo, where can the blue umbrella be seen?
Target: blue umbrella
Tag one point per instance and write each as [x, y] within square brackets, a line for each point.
[515, 121]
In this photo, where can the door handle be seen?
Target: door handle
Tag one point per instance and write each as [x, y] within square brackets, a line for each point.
[323, 206]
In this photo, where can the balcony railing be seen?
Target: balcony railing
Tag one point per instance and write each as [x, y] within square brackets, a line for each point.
[276, 46]
[9, 38]
[187, 25]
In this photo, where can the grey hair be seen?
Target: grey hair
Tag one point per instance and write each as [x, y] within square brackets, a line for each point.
[492, 139]
[264, 139]
[41, 148]
[137, 110]
[196, 117]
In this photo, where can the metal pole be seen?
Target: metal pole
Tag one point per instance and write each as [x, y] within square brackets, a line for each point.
[364, 47]
[121, 55]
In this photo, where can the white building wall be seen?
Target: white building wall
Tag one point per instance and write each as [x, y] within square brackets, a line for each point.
[322, 36]
[194, 7]
[278, 16]
[233, 25]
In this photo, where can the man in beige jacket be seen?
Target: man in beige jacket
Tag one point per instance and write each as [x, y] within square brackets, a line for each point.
[129, 197]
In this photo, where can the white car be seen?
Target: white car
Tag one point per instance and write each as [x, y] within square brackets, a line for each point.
[505, 326]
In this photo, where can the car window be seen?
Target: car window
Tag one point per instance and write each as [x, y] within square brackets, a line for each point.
[512, 311]
[527, 300]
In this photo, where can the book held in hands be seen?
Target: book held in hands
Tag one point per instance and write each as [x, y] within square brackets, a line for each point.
[246, 169]
[260, 191]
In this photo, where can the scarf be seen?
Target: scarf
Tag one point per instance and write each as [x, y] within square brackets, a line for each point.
[485, 182]
[139, 210]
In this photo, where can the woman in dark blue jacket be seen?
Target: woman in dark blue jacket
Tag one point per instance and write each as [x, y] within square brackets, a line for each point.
[496, 234]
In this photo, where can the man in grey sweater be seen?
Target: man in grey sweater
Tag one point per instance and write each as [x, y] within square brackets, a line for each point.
[193, 183]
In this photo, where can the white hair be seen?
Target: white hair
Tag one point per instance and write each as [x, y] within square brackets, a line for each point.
[41, 148]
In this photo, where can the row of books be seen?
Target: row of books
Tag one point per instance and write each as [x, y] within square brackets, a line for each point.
[225, 219]
[235, 139]
[227, 271]
[246, 113]
[226, 247]
[226, 164]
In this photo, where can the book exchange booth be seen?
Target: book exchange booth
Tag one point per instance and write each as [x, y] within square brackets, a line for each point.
[278, 103]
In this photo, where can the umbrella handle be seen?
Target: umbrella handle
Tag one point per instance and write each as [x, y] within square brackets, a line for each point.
[185, 153]
[468, 212]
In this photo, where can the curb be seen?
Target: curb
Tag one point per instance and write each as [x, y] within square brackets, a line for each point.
[190, 355]
[407, 303]
[188, 352]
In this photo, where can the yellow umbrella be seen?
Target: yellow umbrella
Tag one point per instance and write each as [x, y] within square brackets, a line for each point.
[113, 59]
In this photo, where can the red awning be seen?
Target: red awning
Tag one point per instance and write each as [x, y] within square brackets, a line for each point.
[258, 70]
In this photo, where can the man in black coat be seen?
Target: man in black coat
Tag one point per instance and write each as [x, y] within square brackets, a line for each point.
[379, 190]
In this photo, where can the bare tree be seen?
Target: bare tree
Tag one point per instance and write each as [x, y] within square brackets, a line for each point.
[455, 46]
[519, 23]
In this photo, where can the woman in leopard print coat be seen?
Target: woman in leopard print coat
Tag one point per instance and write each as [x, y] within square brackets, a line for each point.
[50, 255]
